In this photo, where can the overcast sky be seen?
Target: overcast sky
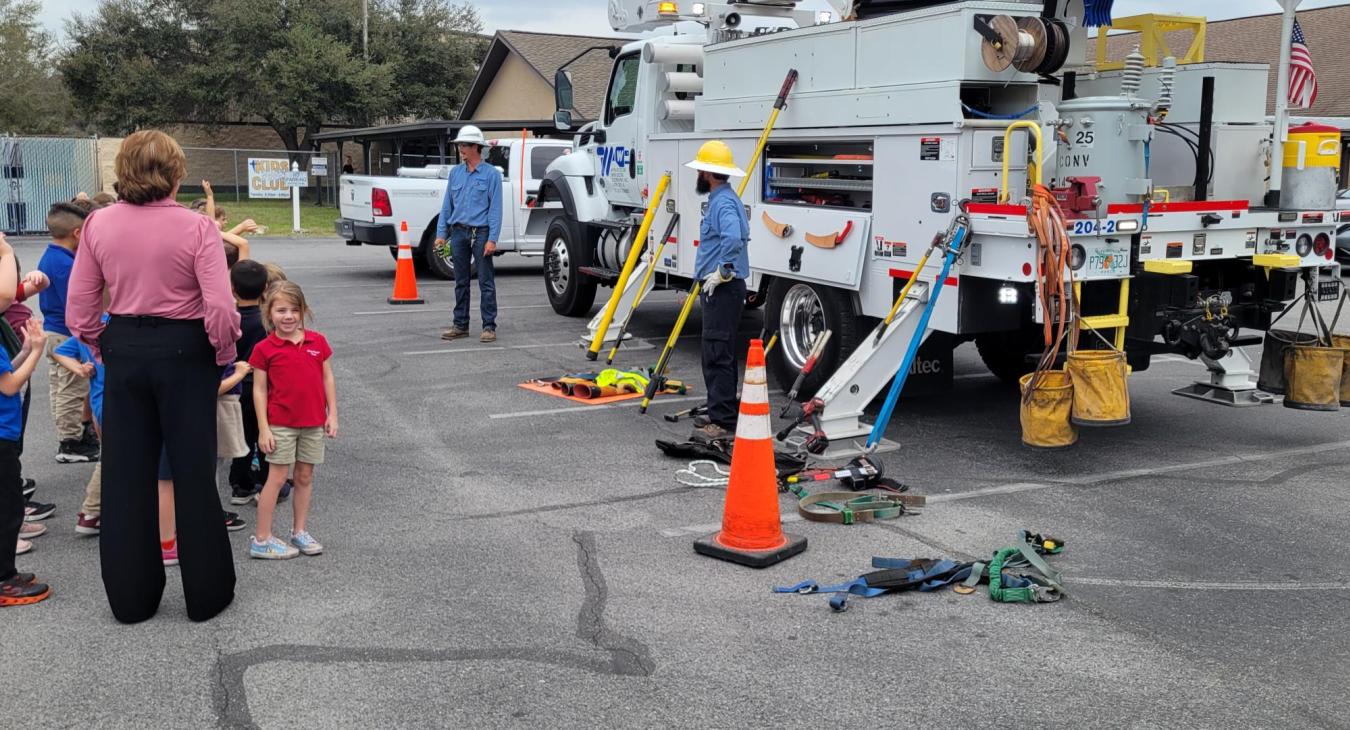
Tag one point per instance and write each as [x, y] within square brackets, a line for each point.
[589, 16]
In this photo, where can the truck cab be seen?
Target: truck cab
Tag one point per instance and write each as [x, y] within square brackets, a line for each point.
[372, 207]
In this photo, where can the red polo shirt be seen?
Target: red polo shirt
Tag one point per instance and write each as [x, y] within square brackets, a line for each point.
[295, 397]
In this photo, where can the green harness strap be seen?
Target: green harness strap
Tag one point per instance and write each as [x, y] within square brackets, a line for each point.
[1044, 588]
[850, 507]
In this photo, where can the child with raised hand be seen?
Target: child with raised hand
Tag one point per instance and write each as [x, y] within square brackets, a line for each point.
[76, 357]
[295, 396]
[16, 589]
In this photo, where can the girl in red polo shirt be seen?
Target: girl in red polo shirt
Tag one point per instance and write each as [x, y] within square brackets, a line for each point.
[295, 397]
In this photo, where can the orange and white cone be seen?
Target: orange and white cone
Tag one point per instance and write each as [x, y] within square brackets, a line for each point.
[752, 529]
[405, 277]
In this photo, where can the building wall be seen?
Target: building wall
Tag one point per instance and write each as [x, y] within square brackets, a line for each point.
[516, 92]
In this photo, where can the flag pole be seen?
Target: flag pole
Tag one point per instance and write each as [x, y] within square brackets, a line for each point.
[1281, 130]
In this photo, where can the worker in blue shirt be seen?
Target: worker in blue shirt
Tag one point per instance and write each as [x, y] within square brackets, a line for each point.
[722, 264]
[472, 215]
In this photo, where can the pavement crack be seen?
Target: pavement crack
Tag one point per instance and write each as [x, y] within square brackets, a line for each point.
[575, 505]
[628, 656]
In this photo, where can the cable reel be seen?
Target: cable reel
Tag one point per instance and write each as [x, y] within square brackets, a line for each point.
[1028, 44]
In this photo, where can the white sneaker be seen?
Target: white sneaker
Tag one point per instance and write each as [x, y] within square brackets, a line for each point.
[306, 544]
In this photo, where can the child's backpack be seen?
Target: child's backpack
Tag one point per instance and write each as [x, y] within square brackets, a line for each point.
[10, 339]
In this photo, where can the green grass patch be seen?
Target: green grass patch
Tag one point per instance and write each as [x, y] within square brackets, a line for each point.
[275, 215]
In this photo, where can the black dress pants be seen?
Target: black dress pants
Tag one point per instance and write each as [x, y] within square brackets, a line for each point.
[721, 317]
[11, 506]
[160, 387]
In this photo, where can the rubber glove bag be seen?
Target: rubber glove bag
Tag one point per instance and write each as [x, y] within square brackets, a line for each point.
[1101, 393]
[1046, 411]
[1313, 375]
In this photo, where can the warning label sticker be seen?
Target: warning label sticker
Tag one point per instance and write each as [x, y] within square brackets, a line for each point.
[930, 148]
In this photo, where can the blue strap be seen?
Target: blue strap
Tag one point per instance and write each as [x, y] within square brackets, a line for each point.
[898, 383]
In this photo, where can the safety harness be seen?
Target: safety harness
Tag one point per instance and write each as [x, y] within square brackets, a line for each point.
[861, 474]
[1015, 574]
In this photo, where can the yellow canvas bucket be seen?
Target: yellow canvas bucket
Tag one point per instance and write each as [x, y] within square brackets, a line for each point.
[1101, 393]
[1343, 342]
[1045, 411]
[1277, 343]
[1313, 373]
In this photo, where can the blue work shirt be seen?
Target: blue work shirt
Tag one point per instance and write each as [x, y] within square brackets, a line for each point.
[723, 235]
[56, 263]
[11, 406]
[74, 348]
[472, 199]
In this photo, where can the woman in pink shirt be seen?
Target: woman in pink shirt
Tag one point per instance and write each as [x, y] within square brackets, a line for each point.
[173, 323]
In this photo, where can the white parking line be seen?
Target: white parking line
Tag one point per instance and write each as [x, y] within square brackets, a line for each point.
[1188, 585]
[583, 409]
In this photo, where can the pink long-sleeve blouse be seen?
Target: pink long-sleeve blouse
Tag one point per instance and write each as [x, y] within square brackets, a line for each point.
[157, 260]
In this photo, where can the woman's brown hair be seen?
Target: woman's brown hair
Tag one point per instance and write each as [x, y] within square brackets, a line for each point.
[149, 165]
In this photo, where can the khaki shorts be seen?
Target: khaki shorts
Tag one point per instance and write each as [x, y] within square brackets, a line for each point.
[297, 444]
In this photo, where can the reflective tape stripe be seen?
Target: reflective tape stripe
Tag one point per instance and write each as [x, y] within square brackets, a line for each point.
[405, 252]
[755, 428]
[755, 393]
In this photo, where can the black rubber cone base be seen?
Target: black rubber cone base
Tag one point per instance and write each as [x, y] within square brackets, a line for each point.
[754, 558]
[406, 301]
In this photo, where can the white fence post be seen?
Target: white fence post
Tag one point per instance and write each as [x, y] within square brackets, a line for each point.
[295, 201]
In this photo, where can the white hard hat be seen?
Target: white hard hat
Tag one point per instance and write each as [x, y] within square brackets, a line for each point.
[471, 135]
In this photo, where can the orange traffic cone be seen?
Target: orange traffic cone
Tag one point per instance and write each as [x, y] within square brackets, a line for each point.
[752, 531]
[405, 278]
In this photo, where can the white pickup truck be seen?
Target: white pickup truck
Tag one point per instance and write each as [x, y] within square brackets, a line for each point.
[373, 206]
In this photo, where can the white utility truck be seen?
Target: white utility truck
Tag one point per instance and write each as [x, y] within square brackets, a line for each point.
[372, 207]
[903, 114]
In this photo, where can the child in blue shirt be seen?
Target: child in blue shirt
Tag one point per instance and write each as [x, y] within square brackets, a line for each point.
[66, 391]
[16, 589]
[77, 359]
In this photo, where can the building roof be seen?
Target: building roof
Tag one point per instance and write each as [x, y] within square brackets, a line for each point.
[545, 52]
[1256, 39]
[437, 128]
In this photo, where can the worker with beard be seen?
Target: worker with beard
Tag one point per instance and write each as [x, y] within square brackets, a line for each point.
[722, 264]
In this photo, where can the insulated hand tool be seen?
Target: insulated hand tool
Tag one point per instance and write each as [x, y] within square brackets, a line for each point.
[814, 357]
[634, 253]
[817, 442]
[641, 294]
[686, 413]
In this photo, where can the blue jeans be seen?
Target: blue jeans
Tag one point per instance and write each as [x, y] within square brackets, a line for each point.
[466, 245]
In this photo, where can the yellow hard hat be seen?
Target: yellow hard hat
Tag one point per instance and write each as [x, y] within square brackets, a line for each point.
[715, 157]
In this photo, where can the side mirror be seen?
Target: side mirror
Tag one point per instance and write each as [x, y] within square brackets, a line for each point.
[562, 119]
[562, 91]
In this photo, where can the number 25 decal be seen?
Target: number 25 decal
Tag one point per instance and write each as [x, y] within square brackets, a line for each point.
[1084, 137]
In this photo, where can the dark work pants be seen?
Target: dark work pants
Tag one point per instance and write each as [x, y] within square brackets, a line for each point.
[160, 387]
[241, 469]
[11, 505]
[467, 247]
[721, 317]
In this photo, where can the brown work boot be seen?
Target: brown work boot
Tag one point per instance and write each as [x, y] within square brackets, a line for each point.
[710, 433]
[488, 336]
[454, 333]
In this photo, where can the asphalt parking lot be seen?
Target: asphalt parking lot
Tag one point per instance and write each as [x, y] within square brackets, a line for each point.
[497, 558]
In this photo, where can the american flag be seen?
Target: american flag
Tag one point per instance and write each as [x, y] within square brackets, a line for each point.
[1302, 76]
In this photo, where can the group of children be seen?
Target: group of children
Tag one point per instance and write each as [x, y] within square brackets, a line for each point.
[275, 404]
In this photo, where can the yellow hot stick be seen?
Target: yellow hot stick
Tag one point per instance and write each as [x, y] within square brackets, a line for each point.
[641, 295]
[634, 253]
[904, 292]
[653, 386]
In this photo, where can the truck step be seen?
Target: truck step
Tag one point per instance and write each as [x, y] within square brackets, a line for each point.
[605, 276]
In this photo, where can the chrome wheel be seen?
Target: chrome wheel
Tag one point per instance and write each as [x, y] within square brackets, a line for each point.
[559, 263]
[801, 320]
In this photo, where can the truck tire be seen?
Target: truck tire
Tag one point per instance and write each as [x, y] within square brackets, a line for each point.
[1010, 355]
[568, 247]
[798, 312]
[419, 260]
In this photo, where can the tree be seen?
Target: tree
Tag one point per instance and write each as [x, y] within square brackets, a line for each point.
[298, 65]
[34, 101]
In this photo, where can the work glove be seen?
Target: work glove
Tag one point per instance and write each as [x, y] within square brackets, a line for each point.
[717, 276]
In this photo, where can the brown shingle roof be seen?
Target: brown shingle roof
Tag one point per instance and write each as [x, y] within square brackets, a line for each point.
[545, 52]
[1257, 40]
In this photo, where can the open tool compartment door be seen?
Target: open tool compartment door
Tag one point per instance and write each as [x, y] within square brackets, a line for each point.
[815, 220]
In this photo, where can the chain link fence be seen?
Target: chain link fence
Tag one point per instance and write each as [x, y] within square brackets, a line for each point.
[40, 171]
[227, 169]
